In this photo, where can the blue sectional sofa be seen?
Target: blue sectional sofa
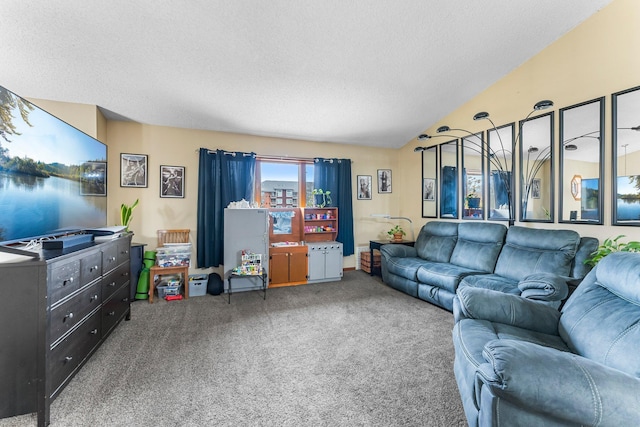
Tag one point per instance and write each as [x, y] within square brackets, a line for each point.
[533, 263]
[519, 362]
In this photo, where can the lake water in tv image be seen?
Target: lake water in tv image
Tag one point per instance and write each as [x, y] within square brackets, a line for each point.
[40, 206]
[628, 210]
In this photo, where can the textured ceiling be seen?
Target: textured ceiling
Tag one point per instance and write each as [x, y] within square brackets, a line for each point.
[364, 72]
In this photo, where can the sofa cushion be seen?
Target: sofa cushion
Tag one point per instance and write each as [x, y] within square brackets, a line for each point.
[404, 267]
[478, 245]
[436, 241]
[544, 286]
[601, 319]
[443, 275]
[529, 250]
[492, 282]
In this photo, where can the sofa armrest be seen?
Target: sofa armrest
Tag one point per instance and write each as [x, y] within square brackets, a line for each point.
[401, 251]
[496, 306]
[544, 287]
[561, 384]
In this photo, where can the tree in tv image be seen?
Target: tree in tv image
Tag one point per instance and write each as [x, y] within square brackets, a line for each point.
[628, 198]
[52, 175]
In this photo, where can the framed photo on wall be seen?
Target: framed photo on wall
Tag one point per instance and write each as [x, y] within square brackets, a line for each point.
[429, 189]
[133, 170]
[172, 181]
[535, 189]
[364, 187]
[384, 180]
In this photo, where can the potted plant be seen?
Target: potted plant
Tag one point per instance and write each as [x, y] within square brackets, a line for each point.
[610, 246]
[397, 233]
[126, 214]
[324, 196]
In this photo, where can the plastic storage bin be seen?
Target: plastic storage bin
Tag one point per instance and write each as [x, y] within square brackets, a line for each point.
[164, 290]
[197, 285]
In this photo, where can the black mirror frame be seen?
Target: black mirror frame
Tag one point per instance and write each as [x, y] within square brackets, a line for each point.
[614, 154]
[601, 171]
[468, 142]
[436, 192]
[511, 193]
[522, 186]
[441, 193]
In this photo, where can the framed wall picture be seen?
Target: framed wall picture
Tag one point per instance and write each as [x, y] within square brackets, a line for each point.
[172, 181]
[93, 179]
[576, 187]
[535, 188]
[133, 170]
[429, 189]
[364, 187]
[384, 180]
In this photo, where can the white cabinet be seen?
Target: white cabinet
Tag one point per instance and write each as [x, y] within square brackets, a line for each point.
[325, 262]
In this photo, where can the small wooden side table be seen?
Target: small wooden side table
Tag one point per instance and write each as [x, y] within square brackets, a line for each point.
[376, 244]
[157, 270]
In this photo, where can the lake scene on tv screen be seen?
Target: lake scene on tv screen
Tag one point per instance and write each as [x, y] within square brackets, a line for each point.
[628, 200]
[52, 175]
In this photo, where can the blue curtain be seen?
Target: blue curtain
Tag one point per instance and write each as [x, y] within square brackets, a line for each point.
[223, 177]
[335, 175]
[449, 197]
[500, 181]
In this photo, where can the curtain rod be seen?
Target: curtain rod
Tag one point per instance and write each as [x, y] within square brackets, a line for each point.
[281, 158]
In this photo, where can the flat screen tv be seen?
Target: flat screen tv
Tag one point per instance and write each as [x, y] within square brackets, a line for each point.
[53, 177]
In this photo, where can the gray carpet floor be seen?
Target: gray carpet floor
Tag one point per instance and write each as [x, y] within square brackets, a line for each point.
[348, 353]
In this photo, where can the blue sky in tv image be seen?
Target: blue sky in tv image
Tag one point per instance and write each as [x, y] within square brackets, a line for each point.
[40, 202]
[51, 140]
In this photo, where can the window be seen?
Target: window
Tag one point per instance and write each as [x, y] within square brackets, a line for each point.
[278, 183]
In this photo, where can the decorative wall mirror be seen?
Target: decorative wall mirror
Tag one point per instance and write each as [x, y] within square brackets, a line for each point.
[500, 200]
[626, 157]
[429, 182]
[536, 169]
[449, 194]
[581, 165]
[473, 177]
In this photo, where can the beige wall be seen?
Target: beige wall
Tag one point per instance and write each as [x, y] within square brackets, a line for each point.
[595, 59]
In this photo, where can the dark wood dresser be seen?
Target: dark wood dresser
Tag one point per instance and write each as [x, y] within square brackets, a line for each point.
[55, 312]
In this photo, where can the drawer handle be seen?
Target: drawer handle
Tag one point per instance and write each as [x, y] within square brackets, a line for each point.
[112, 258]
[94, 332]
[111, 313]
[93, 298]
[67, 316]
[69, 280]
[125, 299]
[125, 252]
[68, 359]
[125, 274]
[112, 284]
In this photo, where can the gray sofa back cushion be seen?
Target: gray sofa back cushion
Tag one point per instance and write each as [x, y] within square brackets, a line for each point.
[601, 319]
[588, 245]
[436, 241]
[478, 246]
[527, 251]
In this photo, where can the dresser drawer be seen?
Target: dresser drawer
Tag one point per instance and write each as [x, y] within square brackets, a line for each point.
[91, 267]
[115, 308]
[124, 250]
[70, 352]
[114, 280]
[68, 314]
[109, 257]
[64, 279]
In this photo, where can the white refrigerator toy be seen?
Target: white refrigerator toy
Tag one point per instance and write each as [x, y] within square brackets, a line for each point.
[245, 230]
